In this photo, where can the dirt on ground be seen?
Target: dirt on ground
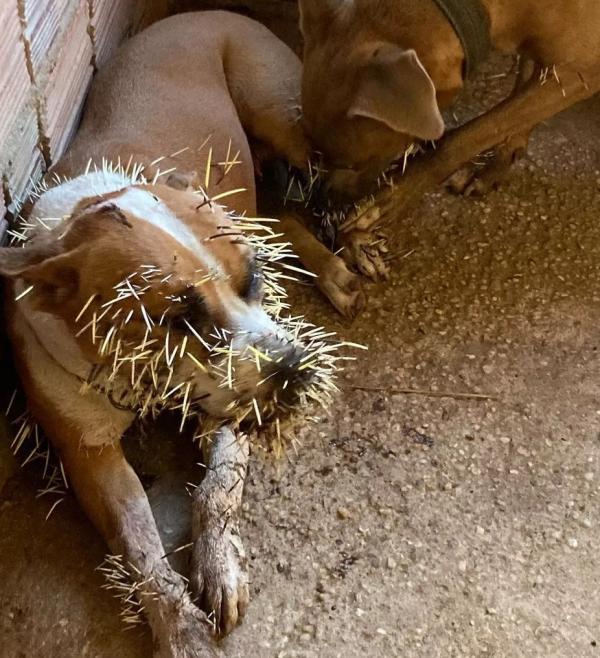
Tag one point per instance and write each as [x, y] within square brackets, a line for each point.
[417, 525]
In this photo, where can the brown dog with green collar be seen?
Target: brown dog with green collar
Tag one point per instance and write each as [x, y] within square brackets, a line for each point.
[378, 73]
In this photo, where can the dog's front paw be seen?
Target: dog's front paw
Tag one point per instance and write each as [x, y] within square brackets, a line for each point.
[487, 172]
[365, 252]
[341, 287]
[479, 177]
[219, 574]
[363, 245]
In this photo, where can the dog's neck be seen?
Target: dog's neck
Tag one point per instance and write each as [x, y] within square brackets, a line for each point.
[425, 28]
[53, 336]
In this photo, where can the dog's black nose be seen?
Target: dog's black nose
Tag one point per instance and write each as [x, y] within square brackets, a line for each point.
[289, 371]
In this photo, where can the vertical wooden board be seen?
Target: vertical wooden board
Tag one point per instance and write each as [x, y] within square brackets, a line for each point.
[43, 21]
[111, 21]
[15, 84]
[22, 161]
[20, 157]
[64, 90]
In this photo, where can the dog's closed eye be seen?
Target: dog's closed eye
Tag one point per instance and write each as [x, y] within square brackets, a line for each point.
[107, 209]
[252, 289]
[191, 309]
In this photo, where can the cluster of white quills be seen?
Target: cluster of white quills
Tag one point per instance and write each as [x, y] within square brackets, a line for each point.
[145, 375]
[125, 583]
[30, 442]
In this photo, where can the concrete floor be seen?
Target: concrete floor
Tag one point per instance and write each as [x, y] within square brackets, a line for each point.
[407, 525]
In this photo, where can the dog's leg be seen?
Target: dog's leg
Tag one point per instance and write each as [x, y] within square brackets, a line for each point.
[342, 287]
[219, 568]
[114, 499]
[264, 82]
[488, 170]
[535, 103]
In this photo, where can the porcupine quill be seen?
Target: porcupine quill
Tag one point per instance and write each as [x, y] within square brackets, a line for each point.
[30, 441]
[123, 582]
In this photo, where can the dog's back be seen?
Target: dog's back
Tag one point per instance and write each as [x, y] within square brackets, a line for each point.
[181, 84]
[557, 32]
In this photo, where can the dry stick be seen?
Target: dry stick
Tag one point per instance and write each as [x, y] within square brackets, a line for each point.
[535, 103]
[424, 392]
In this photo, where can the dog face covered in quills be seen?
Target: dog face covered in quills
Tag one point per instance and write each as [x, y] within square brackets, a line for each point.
[377, 74]
[161, 292]
[131, 296]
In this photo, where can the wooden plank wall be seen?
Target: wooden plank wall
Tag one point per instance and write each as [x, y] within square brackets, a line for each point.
[48, 52]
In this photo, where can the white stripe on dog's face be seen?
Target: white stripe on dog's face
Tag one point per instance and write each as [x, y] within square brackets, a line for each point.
[60, 201]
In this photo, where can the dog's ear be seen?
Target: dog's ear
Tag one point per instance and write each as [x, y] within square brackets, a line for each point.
[395, 89]
[54, 275]
[15, 261]
[319, 12]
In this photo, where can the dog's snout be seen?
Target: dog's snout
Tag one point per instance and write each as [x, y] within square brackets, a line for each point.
[288, 371]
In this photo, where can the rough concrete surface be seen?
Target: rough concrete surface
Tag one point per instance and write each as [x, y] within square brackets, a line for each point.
[418, 525]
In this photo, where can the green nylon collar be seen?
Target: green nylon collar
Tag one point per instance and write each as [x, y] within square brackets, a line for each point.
[471, 23]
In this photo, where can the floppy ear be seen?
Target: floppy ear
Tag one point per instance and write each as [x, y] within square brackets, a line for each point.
[14, 261]
[54, 276]
[313, 12]
[395, 89]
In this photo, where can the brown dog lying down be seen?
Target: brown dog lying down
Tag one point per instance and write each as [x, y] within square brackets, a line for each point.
[132, 298]
[377, 74]
[207, 82]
